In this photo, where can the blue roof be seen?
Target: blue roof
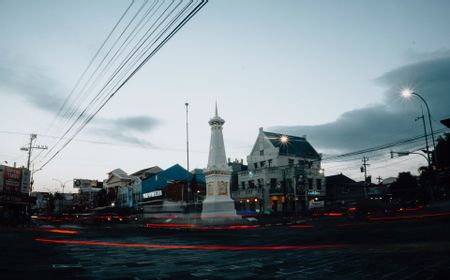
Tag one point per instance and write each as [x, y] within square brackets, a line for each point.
[173, 173]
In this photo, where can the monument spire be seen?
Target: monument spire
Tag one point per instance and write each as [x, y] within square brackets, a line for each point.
[217, 159]
[216, 111]
[218, 202]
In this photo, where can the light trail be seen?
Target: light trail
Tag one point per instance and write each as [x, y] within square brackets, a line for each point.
[190, 247]
[302, 226]
[409, 217]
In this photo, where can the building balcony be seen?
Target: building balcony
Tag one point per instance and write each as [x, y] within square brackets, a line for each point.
[252, 192]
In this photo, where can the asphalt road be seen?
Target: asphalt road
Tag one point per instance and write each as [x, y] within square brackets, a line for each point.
[412, 248]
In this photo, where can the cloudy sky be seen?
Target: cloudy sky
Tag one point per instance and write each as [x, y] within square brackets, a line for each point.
[331, 70]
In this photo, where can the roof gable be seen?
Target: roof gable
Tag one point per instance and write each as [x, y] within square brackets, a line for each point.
[148, 172]
[261, 143]
[119, 173]
[338, 179]
[296, 146]
[160, 180]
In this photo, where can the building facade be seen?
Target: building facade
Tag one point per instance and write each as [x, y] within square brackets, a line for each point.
[14, 193]
[284, 175]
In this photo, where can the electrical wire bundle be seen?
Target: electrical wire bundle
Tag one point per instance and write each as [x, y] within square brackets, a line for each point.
[141, 31]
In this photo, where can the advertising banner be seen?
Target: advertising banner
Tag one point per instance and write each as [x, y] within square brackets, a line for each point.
[83, 183]
[316, 204]
[12, 180]
[26, 174]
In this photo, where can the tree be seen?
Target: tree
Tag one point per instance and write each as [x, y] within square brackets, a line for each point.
[101, 199]
[427, 179]
[405, 189]
[51, 203]
[443, 152]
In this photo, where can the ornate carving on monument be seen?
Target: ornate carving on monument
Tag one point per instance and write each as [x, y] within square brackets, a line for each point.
[222, 188]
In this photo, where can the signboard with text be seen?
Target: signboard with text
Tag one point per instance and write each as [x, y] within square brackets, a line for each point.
[152, 194]
[12, 179]
[316, 204]
[26, 178]
[84, 183]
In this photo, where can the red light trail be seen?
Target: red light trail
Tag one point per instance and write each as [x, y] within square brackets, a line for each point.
[409, 217]
[190, 247]
[192, 226]
[302, 226]
[63, 231]
[170, 225]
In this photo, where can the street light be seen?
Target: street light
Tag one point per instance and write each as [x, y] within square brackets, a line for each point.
[407, 93]
[187, 154]
[426, 138]
[407, 153]
[63, 184]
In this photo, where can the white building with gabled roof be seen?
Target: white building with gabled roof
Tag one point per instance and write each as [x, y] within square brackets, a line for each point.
[284, 175]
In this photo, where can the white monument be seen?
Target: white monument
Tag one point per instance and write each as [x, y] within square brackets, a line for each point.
[218, 204]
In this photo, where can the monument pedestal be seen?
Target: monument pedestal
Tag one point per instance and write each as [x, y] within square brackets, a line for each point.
[219, 211]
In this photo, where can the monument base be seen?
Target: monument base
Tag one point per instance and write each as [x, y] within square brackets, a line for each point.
[219, 212]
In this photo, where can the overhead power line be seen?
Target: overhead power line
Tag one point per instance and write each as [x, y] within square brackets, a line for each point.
[119, 67]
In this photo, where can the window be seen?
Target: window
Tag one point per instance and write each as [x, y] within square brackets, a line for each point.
[291, 162]
[255, 165]
[261, 153]
[310, 183]
[273, 182]
[319, 184]
[269, 162]
[262, 163]
[251, 184]
[243, 185]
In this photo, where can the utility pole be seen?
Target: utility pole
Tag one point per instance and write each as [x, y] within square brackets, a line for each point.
[364, 169]
[379, 179]
[29, 149]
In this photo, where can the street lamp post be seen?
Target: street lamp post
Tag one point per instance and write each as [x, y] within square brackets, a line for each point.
[407, 93]
[63, 185]
[187, 153]
[426, 138]
[407, 153]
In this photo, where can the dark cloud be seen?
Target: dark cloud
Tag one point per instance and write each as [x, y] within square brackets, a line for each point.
[44, 93]
[391, 120]
[137, 123]
[121, 136]
[31, 85]
[125, 129]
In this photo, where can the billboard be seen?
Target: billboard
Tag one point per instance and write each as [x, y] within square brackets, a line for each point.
[14, 180]
[83, 183]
